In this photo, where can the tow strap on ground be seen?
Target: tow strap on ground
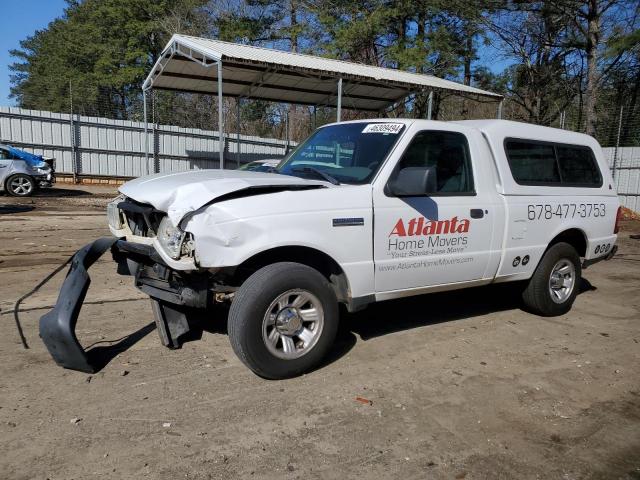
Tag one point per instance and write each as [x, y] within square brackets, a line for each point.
[31, 292]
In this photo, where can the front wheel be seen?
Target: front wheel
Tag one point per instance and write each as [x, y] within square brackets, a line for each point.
[554, 285]
[283, 320]
[20, 185]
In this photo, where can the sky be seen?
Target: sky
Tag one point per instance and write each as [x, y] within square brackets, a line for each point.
[19, 20]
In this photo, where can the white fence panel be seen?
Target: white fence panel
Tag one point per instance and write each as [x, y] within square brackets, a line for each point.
[116, 148]
[626, 174]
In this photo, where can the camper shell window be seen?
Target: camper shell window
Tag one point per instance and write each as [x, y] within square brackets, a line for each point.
[534, 162]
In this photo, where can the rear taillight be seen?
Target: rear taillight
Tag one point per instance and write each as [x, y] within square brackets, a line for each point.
[616, 228]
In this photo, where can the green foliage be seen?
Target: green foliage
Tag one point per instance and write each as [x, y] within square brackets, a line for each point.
[100, 51]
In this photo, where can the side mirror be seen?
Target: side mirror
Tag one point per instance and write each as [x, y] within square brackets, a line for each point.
[414, 181]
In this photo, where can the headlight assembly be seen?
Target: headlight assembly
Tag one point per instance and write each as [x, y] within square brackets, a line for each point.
[170, 238]
[40, 171]
[113, 213]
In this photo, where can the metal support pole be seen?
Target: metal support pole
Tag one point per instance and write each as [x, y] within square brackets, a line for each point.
[146, 132]
[430, 105]
[339, 111]
[220, 116]
[72, 132]
[286, 127]
[615, 152]
[499, 115]
[155, 161]
[238, 132]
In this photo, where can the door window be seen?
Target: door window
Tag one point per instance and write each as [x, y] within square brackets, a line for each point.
[447, 153]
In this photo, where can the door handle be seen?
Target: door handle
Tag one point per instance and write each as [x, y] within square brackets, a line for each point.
[476, 213]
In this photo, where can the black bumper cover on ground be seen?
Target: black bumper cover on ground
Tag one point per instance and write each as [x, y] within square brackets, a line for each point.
[170, 298]
[57, 328]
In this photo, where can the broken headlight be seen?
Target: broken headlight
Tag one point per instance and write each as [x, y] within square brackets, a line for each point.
[113, 213]
[44, 170]
[170, 238]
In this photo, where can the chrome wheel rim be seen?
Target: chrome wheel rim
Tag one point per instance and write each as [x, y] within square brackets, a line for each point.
[20, 186]
[293, 324]
[562, 280]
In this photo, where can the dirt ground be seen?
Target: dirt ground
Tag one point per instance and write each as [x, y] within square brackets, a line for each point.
[462, 385]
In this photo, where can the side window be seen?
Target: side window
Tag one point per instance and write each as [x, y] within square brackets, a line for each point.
[578, 166]
[532, 163]
[551, 164]
[4, 155]
[447, 153]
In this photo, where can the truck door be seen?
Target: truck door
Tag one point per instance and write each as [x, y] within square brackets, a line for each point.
[443, 235]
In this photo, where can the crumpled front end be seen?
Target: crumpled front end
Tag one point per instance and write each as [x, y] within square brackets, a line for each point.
[143, 224]
[156, 223]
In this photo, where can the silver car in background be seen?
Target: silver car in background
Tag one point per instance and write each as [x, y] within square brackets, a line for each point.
[22, 173]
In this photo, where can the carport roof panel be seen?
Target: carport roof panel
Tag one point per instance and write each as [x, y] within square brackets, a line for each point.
[284, 76]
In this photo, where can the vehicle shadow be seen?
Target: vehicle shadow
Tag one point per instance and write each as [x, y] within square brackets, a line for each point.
[55, 192]
[8, 209]
[392, 316]
[586, 286]
[413, 312]
[377, 320]
[100, 355]
[62, 192]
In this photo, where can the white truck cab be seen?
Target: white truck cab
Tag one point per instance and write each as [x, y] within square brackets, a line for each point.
[360, 212]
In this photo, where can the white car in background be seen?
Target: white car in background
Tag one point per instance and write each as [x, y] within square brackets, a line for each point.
[22, 173]
[261, 165]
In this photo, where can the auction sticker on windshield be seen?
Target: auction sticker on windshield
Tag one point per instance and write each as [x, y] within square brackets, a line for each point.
[383, 128]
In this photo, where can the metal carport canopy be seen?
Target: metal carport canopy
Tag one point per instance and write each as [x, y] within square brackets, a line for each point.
[267, 74]
[243, 71]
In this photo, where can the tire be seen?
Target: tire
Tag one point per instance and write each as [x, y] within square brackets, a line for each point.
[20, 185]
[256, 313]
[548, 293]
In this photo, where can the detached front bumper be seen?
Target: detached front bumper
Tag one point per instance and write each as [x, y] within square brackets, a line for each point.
[172, 293]
[57, 328]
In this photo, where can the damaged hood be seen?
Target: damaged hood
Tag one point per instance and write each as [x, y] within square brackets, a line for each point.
[181, 193]
[31, 159]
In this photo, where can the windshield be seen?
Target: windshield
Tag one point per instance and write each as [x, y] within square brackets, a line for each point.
[348, 152]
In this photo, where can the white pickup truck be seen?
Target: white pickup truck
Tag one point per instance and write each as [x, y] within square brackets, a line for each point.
[360, 212]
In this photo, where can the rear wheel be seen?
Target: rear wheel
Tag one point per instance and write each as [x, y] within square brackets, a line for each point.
[20, 185]
[554, 285]
[283, 320]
